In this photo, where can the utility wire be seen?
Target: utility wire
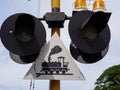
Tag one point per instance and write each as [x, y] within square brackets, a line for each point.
[32, 84]
[38, 9]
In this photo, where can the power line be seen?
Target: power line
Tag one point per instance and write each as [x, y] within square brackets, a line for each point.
[38, 8]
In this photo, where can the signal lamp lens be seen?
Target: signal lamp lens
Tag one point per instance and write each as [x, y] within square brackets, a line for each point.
[24, 28]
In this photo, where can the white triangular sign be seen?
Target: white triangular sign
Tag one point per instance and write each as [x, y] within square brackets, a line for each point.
[54, 63]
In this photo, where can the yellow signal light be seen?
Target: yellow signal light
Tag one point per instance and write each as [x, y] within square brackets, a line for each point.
[99, 5]
[80, 4]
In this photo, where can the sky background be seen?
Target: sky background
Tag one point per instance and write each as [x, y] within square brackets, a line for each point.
[11, 73]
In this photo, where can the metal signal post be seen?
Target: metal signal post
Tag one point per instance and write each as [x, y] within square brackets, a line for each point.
[55, 4]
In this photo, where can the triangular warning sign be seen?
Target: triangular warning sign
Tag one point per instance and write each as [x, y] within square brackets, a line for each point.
[54, 63]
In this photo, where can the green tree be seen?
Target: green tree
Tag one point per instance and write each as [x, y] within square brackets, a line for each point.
[109, 79]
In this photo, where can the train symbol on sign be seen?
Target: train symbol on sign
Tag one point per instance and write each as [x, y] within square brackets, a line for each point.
[56, 67]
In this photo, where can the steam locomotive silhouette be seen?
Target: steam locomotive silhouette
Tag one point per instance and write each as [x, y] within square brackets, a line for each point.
[56, 67]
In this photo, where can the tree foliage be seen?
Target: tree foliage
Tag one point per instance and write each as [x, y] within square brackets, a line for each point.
[109, 79]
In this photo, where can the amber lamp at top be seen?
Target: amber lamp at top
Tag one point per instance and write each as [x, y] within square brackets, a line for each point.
[99, 5]
[80, 4]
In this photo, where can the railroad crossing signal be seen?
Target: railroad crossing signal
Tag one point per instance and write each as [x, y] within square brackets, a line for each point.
[23, 35]
[89, 32]
[54, 63]
[90, 35]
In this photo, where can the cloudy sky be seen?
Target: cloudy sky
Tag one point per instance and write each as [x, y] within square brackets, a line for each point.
[11, 73]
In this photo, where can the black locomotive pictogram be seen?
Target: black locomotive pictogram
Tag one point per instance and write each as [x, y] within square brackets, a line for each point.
[54, 67]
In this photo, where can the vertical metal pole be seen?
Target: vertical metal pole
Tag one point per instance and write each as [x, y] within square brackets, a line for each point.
[55, 84]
